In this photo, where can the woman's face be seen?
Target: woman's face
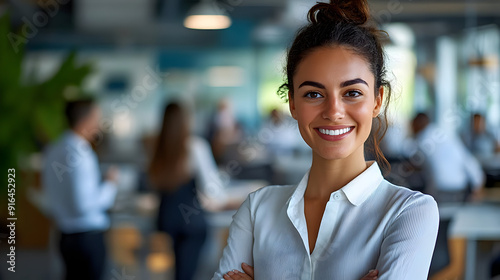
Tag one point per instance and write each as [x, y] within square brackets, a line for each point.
[334, 101]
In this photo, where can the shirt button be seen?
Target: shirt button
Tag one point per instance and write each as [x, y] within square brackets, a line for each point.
[337, 196]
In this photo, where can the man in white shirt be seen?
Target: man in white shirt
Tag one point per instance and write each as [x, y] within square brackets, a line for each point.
[450, 169]
[77, 199]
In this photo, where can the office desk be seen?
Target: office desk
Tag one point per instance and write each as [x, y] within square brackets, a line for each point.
[476, 222]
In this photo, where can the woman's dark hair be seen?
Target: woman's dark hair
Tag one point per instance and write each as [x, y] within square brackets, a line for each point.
[169, 166]
[343, 23]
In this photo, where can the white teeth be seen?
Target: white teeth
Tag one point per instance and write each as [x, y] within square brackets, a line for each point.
[334, 132]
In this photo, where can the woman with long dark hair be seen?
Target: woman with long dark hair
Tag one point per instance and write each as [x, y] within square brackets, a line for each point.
[184, 172]
[343, 220]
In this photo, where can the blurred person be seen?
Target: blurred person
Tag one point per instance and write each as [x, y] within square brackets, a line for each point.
[280, 134]
[449, 168]
[480, 141]
[183, 170]
[223, 131]
[276, 117]
[77, 199]
[343, 220]
[483, 144]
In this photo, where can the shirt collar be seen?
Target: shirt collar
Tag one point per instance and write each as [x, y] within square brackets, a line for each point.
[77, 140]
[356, 191]
[361, 187]
[73, 135]
[298, 194]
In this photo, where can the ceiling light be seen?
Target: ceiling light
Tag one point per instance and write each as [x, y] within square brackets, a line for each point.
[207, 15]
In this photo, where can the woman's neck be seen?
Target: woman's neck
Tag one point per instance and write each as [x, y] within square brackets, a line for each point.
[327, 176]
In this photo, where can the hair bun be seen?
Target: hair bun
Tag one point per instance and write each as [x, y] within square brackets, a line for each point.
[351, 11]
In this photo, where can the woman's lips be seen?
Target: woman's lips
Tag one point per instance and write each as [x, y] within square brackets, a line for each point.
[334, 133]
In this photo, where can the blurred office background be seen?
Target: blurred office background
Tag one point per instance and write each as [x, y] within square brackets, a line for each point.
[136, 56]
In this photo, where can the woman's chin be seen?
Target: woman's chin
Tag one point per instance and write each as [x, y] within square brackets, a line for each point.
[333, 155]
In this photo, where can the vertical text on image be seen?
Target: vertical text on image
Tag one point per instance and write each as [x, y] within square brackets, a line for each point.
[11, 220]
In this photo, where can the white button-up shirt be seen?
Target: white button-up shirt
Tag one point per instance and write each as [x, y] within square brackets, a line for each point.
[368, 224]
[448, 165]
[77, 198]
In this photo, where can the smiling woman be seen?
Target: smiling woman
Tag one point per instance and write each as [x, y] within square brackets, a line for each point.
[335, 101]
[343, 220]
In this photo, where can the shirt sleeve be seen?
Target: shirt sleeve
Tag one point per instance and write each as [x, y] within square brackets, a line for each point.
[473, 169]
[409, 241]
[239, 243]
[207, 175]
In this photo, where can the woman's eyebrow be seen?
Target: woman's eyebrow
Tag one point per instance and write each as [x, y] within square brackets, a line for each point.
[352, 82]
[311, 83]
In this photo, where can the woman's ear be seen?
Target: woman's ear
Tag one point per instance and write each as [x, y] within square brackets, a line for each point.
[291, 105]
[378, 102]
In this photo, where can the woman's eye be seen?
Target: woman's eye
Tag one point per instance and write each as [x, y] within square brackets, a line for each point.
[353, 93]
[313, 94]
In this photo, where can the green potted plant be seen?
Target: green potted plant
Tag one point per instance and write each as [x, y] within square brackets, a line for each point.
[31, 112]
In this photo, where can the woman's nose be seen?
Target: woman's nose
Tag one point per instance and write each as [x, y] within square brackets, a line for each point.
[333, 110]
